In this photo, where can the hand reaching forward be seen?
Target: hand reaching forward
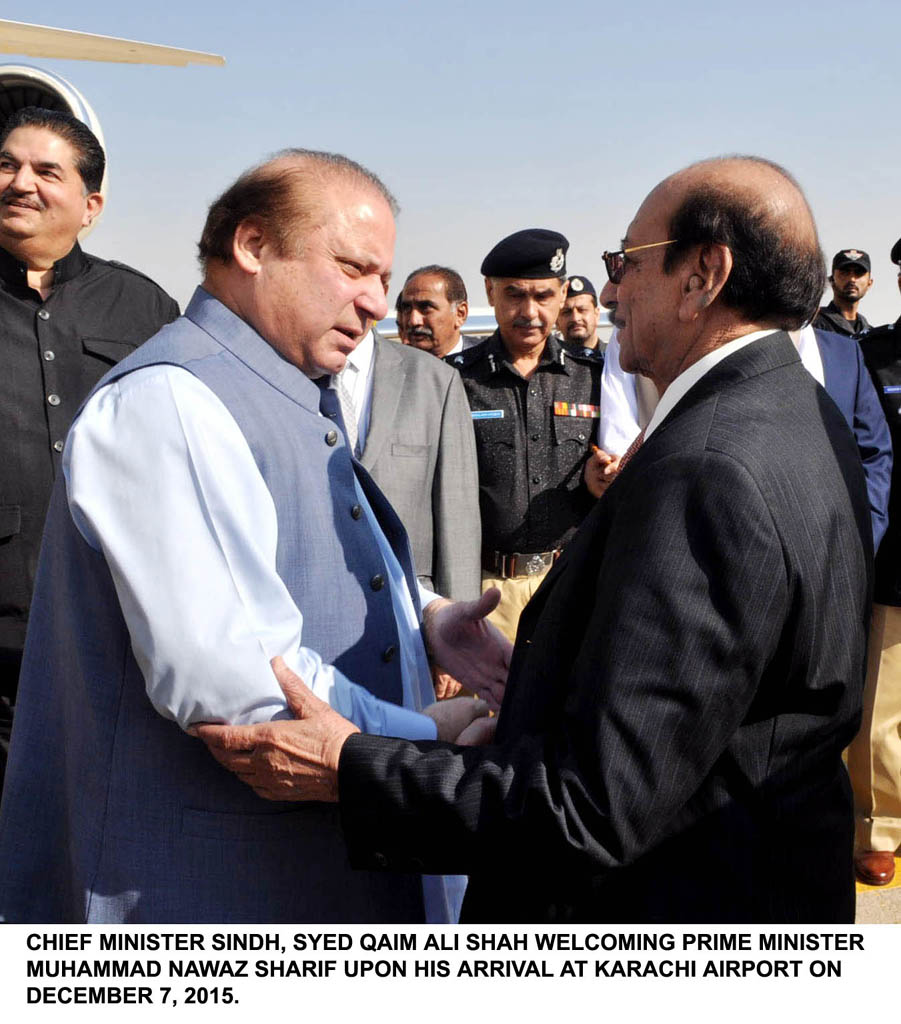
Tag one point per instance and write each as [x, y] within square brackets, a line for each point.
[298, 759]
[285, 760]
[601, 470]
[470, 648]
[454, 716]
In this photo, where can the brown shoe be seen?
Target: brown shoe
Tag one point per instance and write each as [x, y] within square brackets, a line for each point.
[874, 867]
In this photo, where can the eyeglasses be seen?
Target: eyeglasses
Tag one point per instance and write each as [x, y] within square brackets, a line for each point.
[615, 262]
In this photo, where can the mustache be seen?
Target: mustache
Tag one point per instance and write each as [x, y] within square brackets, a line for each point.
[421, 332]
[11, 195]
[524, 321]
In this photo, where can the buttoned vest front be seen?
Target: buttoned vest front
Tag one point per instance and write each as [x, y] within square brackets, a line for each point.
[124, 817]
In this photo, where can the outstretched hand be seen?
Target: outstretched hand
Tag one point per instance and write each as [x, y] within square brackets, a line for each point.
[289, 759]
[601, 470]
[471, 649]
[454, 716]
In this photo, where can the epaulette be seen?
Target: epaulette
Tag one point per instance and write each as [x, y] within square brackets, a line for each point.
[466, 358]
[581, 359]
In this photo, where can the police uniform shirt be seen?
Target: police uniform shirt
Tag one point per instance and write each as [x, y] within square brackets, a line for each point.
[583, 350]
[881, 348]
[829, 318]
[54, 351]
[531, 494]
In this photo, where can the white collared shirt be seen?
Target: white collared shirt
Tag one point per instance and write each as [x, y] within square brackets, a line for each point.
[357, 380]
[690, 376]
[809, 351]
[619, 424]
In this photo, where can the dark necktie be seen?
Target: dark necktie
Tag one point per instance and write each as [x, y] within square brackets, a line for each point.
[330, 405]
[631, 450]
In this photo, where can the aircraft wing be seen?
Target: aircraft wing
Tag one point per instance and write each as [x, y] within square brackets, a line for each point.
[39, 41]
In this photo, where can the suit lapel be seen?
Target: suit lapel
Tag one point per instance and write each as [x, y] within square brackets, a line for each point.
[388, 377]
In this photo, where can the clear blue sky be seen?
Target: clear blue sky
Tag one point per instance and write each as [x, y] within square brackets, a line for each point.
[485, 117]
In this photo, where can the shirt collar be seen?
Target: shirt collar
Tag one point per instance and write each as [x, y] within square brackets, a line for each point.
[13, 271]
[553, 353]
[360, 360]
[688, 378]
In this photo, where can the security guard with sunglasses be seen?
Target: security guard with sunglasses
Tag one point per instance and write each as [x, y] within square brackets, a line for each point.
[535, 413]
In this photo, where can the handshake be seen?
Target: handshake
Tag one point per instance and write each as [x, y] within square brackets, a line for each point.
[298, 759]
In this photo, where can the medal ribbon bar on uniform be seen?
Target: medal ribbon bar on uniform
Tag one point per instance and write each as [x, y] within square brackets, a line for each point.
[591, 412]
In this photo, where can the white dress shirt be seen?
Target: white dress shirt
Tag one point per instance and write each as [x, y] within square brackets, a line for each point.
[619, 423]
[689, 377]
[357, 380]
[806, 343]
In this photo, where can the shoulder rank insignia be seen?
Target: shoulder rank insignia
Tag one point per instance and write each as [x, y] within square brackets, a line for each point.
[590, 412]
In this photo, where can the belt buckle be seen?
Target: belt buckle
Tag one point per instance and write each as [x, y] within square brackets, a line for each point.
[534, 565]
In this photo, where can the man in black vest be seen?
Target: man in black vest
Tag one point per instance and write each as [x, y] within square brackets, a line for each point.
[60, 309]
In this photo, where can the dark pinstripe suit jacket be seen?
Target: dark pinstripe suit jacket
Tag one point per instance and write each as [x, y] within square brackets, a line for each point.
[669, 747]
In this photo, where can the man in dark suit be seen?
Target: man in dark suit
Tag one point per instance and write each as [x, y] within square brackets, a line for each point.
[683, 683]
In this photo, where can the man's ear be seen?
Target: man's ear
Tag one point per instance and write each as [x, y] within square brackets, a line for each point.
[461, 313]
[248, 244]
[93, 204]
[489, 290]
[703, 278]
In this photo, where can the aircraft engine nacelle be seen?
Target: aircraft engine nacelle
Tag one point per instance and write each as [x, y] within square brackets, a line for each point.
[24, 86]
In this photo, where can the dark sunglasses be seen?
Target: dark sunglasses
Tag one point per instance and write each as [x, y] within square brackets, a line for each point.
[615, 262]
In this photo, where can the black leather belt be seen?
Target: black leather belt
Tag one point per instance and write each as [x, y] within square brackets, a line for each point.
[518, 563]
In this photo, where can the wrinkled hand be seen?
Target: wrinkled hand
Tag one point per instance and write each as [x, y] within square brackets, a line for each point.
[285, 760]
[478, 733]
[445, 684]
[472, 649]
[600, 471]
[454, 716]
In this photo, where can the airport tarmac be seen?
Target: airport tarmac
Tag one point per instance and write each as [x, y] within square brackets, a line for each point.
[880, 904]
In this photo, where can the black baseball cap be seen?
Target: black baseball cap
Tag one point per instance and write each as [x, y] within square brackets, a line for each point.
[851, 258]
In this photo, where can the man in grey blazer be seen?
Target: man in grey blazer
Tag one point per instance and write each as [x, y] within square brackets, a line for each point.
[431, 310]
[669, 747]
[415, 438]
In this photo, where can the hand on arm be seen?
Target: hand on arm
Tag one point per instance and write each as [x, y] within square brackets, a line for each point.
[298, 759]
[461, 640]
[285, 760]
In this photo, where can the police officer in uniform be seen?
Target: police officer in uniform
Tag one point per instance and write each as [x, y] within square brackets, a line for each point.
[874, 758]
[578, 319]
[850, 280]
[535, 414]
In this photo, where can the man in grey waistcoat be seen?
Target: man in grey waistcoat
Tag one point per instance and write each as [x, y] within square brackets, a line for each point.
[210, 518]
